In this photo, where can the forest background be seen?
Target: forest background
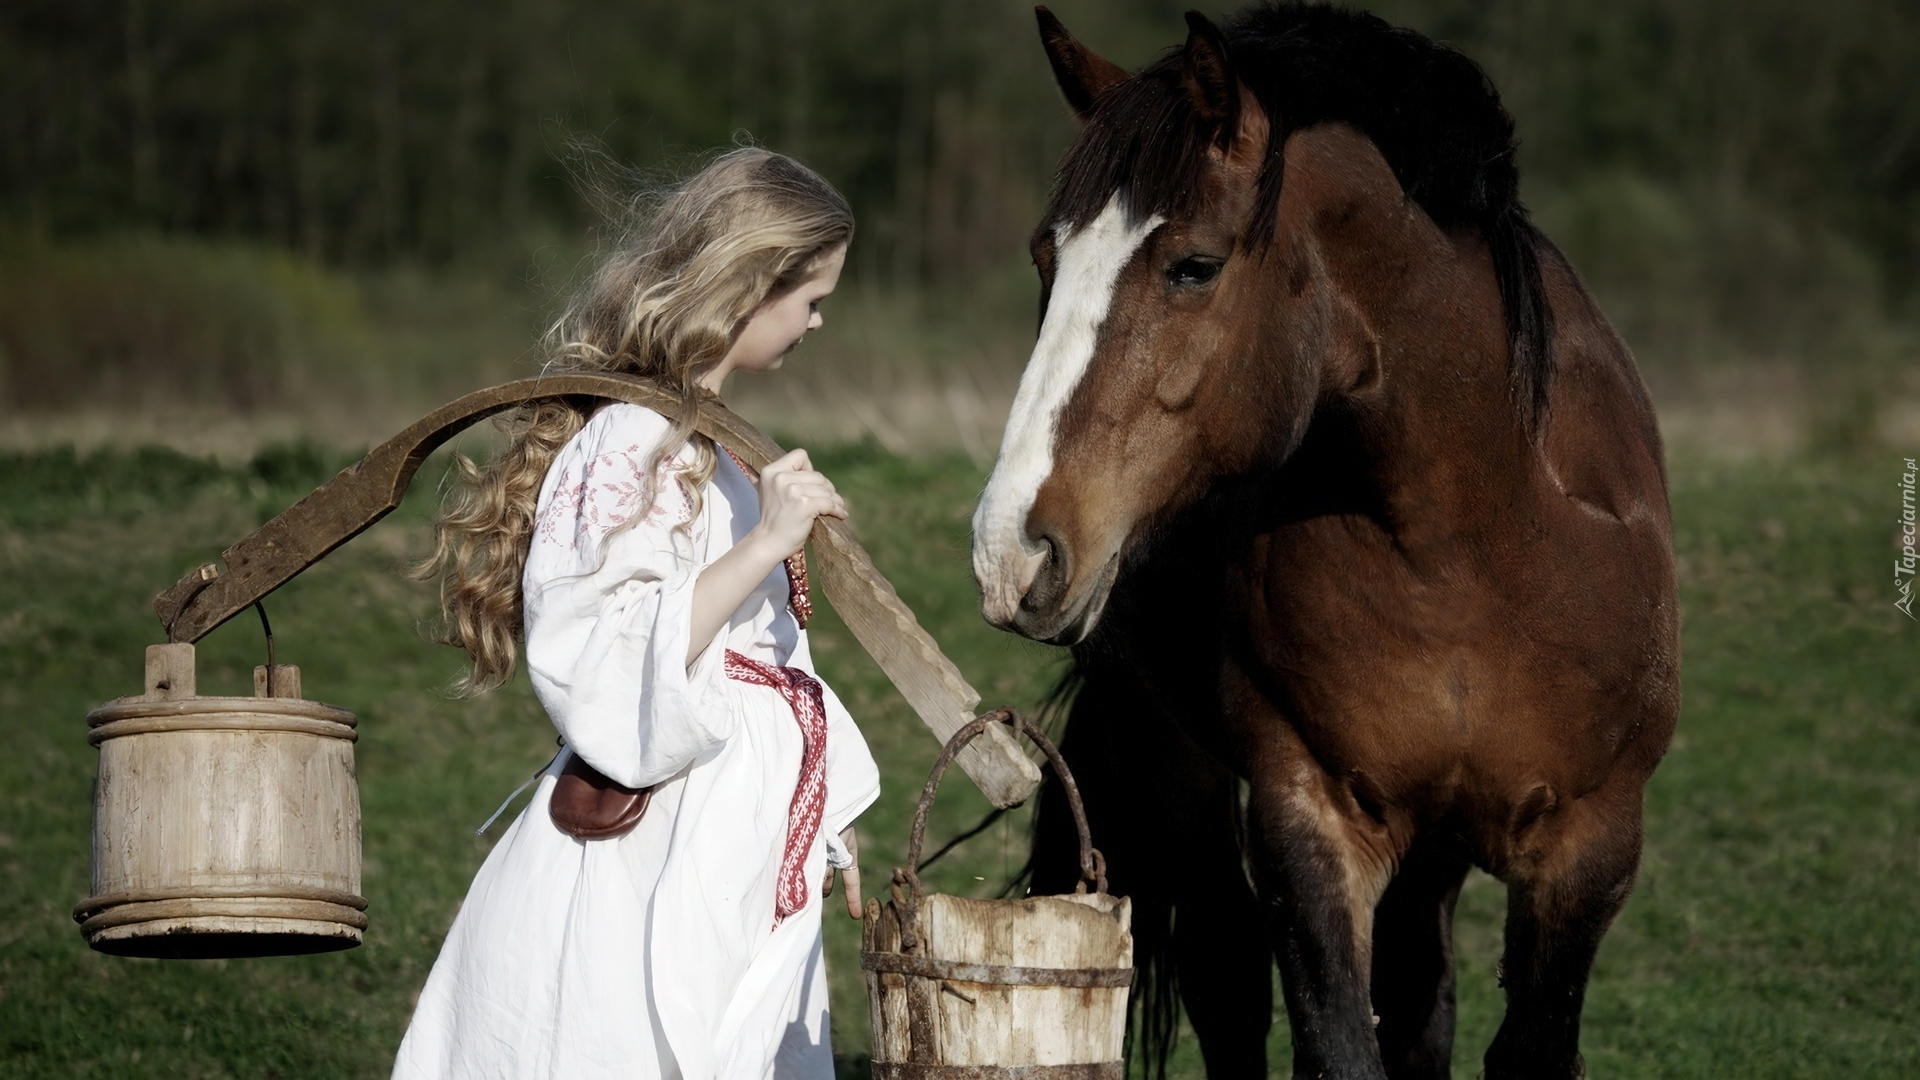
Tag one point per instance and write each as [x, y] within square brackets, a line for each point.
[241, 240]
[322, 217]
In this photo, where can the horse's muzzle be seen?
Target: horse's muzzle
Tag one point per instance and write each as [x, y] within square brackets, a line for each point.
[1050, 612]
[1050, 580]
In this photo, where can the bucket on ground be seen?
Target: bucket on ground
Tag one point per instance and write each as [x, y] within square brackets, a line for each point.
[223, 826]
[1030, 989]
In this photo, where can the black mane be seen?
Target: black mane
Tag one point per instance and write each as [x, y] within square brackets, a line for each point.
[1430, 110]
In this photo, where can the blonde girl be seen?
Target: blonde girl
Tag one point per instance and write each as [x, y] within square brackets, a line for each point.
[644, 571]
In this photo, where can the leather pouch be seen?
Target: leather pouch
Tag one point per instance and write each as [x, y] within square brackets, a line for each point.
[587, 805]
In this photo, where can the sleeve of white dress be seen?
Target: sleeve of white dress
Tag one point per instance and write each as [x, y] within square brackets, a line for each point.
[609, 606]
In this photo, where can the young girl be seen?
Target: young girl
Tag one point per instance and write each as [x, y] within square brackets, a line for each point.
[664, 637]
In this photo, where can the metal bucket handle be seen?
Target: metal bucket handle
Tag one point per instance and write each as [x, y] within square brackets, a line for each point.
[1093, 865]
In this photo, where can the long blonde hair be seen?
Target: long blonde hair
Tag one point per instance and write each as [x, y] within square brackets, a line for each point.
[693, 262]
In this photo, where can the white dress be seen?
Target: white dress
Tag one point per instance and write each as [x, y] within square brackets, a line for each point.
[655, 954]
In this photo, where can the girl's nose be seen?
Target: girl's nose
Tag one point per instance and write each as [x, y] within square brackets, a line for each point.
[815, 321]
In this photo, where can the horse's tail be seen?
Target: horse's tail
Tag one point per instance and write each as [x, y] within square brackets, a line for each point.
[1095, 727]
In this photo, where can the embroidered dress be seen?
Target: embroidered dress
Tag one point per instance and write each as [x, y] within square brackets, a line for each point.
[683, 949]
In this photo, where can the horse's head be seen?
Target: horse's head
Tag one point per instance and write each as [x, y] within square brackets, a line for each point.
[1183, 337]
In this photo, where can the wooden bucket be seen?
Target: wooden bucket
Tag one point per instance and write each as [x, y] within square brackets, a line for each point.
[223, 826]
[1032, 989]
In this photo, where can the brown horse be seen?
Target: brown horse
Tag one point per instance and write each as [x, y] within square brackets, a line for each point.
[1342, 488]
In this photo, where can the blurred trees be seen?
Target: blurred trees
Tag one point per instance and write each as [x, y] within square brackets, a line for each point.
[1813, 109]
[361, 132]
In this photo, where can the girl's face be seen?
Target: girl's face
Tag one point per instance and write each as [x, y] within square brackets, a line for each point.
[763, 341]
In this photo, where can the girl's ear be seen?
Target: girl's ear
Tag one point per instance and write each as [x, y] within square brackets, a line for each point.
[1081, 73]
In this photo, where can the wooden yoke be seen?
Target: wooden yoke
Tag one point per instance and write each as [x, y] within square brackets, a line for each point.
[372, 487]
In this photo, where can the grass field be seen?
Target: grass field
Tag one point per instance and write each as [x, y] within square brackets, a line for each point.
[1772, 933]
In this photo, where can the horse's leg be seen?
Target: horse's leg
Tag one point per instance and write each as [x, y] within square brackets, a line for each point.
[1321, 864]
[1564, 887]
[1413, 962]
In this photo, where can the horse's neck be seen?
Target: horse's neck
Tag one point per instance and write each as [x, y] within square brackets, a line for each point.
[1442, 442]
[1438, 426]
[1442, 434]
[1448, 446]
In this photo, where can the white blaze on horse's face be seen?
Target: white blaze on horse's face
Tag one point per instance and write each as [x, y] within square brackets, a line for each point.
[1088, 261]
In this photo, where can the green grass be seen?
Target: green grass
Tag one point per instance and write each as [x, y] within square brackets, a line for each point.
[1771, 933]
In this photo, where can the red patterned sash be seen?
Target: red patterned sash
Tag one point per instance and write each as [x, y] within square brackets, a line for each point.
[809, 805]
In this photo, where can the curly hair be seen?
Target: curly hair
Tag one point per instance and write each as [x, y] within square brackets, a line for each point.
[694, 260]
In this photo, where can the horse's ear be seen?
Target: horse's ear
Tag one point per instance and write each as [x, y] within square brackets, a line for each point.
[1211, 84]
[1219, 97]
[1082, 73]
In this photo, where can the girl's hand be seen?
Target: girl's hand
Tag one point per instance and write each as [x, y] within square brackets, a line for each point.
[851, 875]
[791, 496]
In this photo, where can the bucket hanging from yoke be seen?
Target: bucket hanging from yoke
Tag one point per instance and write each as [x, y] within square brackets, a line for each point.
[1033, 988]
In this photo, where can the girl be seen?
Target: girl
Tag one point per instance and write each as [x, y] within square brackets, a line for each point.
[664, 637]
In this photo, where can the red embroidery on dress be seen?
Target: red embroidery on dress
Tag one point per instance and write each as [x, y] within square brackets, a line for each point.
[798, 597]
[609, 493]
[805, 697]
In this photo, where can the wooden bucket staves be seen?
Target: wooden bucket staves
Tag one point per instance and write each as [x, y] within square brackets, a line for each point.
[223, 826]
[1031, 989]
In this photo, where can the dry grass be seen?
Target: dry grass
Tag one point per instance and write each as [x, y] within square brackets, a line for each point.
[221, 350]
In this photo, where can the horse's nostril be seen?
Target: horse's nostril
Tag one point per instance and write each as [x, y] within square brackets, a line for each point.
[1050, 580]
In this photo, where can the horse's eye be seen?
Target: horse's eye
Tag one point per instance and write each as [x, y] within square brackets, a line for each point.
[1193, 272]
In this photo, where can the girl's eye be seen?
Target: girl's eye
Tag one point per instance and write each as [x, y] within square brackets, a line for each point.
[1193, 272]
